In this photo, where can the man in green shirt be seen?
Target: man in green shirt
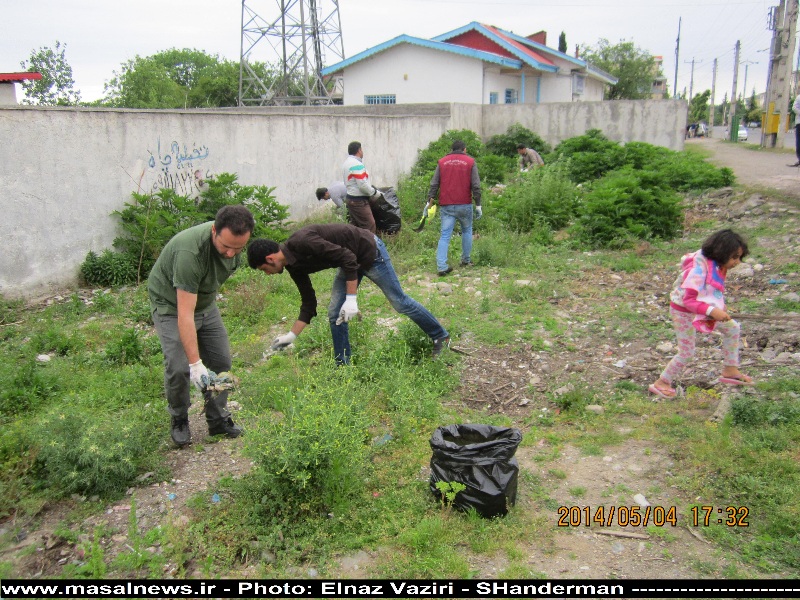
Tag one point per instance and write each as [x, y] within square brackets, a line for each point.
[183, 286]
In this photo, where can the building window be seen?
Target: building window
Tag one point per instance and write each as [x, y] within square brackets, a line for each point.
[511, 96]
[492, 97]
[578, 84]
[381, 99]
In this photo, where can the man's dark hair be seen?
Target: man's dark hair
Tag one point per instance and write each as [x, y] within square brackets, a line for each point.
[353, 147]
[459, 146]
[236, 218]
[724, 245]
[520, 146]
[260, 249]
[321, 193]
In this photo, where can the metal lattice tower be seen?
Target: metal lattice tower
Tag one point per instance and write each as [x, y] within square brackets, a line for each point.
[294, 46]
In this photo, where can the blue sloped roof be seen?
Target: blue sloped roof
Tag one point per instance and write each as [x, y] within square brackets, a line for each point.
[433, 44]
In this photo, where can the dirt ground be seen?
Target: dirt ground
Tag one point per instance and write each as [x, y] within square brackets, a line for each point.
[753, 168]
[512, 382]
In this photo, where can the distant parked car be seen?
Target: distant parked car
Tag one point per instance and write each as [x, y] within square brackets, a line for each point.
[742, 133]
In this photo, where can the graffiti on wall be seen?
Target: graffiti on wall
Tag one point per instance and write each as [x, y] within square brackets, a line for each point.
[178, 167]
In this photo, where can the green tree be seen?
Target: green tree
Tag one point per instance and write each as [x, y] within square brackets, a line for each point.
[56, 87]
[633, 67]
[178, 79]
[144, 83]
[562, 42]
[754, 111]
[217, 85]
[698, 107]
[185, 67]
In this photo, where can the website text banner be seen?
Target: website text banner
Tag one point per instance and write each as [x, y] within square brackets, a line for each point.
[398, 588]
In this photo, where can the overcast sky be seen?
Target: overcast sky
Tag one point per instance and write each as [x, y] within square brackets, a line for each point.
[101, 35]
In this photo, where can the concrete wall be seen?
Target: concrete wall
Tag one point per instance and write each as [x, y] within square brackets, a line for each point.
[63, 171]
[659, 122]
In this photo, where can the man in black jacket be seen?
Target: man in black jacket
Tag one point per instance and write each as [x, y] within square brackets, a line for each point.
[356, 253]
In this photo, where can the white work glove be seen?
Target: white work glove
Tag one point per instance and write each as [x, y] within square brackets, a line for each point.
[478, 212]
[282, 341]
[349, 309]
[198, 375]
[376, 194]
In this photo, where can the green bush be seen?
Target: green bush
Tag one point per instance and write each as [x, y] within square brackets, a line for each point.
[25, 388]
[412, 193]
[125, 349]
[544, 196]
[505, 144]
[89, 452]
[590, 156]
[16, 464]
[10, 310]
[747, 412]
[625, 206]
[54, 339]
[493, 169]
[684, 172]
[427, 159]
[150, 221]
[223, 189]
[316, 452]
[108, 269]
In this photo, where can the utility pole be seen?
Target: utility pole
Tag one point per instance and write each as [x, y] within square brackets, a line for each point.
[782, 22]
[735, 134]
[787, 52]
[677, 57]
[746, 64]
[713, 88]
[691, 79]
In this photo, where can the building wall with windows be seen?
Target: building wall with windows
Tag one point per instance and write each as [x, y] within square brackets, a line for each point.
[412, 75]
[496, 84]
[407, 74]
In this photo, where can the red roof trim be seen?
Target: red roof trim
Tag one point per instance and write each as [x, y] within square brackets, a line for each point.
[529, 51]
[20, 76]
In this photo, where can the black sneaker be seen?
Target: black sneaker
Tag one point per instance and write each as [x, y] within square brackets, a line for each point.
[446, 271]
[467, 263]
[439, 345]
[180, 431]
[224, 427]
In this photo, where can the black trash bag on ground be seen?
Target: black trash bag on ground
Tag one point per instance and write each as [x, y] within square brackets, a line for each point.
[481, 457]
[386, 211]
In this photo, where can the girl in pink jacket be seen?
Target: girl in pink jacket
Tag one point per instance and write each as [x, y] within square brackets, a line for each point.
[697, 304]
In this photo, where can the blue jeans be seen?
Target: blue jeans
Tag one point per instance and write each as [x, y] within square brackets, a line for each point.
[382, 274]
[449, 214]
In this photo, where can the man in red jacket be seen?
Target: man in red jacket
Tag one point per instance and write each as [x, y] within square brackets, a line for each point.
[457, 183]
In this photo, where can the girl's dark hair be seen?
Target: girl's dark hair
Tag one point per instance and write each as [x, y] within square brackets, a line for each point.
[724, 245]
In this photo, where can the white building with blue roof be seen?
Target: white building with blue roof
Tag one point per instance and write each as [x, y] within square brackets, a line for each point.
[474, 64]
